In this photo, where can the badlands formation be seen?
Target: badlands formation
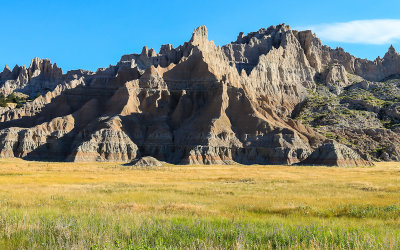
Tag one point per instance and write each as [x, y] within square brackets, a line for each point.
[246, 102]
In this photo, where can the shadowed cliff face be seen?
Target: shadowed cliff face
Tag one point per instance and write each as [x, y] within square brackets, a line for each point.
[195, 104]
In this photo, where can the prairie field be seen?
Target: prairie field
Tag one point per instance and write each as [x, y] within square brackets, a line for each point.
[47, 205]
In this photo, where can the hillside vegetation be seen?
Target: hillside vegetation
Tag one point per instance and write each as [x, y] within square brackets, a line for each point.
[365, 116]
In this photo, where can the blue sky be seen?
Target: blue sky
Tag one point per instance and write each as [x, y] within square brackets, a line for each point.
[95, 33]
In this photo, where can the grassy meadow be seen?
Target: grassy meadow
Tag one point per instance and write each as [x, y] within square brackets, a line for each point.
[111, 206]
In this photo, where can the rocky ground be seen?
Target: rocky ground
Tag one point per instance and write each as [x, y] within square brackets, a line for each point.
[365, 116]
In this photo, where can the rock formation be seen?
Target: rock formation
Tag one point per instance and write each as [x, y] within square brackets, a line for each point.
[146, 162]
[332, 153]
[195, 104]
[35, 80]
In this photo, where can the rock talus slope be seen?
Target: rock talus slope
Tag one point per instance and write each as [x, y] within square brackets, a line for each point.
[195, 104]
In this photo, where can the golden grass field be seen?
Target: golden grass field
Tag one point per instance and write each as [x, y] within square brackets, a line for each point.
[111, 206]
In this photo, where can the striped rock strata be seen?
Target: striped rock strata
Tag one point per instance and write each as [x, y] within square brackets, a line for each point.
[194, 104]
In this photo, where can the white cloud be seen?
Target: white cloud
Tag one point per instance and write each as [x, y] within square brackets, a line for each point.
[379, 31]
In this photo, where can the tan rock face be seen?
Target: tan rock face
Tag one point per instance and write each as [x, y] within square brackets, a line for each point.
[194, 104]
[334, 154]
[41, 76]
[321, 57]
[146, 162]
[336, 78]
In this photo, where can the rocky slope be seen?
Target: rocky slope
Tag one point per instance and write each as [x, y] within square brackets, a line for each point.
[365, 116]
[198, 103]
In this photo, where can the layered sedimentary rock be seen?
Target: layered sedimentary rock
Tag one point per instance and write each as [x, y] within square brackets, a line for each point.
[332, 153]
[321, 57]
[365, 116]
[39, 77]
[194, 104]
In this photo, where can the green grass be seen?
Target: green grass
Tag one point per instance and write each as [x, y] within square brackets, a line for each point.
[107, 231]
[13, 98]
[109, 206]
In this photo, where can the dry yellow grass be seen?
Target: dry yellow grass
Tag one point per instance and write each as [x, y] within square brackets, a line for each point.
[214, 189]
[260, 193]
